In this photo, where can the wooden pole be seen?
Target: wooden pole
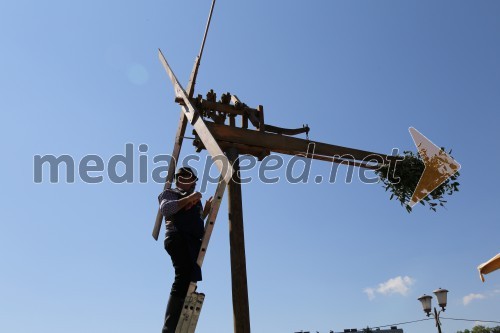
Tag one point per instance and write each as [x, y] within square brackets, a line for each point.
[241, 312]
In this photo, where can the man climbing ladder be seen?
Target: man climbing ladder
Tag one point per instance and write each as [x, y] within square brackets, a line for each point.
[184, 215]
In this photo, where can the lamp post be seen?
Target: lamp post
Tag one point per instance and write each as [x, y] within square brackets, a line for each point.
[441, 295]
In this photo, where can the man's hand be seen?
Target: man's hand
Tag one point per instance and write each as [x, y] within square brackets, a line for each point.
[193, 198]
[208, 205]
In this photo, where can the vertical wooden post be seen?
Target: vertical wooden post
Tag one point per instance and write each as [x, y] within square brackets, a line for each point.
[262, 127]
[241, 312]
[232, 120]
[244, 121]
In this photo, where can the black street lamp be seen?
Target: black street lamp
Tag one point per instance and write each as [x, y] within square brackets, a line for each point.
[441, 295]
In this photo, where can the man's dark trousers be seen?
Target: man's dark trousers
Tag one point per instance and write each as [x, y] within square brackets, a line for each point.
[178, 250]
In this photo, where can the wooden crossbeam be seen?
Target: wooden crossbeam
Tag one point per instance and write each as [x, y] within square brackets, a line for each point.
[291, 145]
[226, 108]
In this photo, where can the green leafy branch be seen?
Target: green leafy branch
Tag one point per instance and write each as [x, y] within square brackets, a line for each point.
[402, 180]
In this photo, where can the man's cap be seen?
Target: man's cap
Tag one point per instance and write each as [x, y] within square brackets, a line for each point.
[185, 171]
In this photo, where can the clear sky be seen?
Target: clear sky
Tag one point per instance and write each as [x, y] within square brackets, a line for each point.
[83, 77]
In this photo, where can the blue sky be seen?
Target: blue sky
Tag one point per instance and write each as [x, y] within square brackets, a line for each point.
[83, 77]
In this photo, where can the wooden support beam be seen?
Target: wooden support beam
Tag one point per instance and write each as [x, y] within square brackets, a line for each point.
[181, 129]
[286, 144]
[346, 160]
[244, 121]
[258, 152]
[249, 114]
[262, 126]
[241, 311]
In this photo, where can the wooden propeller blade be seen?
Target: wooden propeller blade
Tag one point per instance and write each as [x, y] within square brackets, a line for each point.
[192, 114]
[181, 128]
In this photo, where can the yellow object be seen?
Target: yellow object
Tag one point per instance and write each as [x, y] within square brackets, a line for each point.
[491, 265]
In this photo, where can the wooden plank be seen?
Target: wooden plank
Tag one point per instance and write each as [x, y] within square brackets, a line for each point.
[241, 312]
[283, 144]
[197, 306]
[181, 129]
[345, 161]
[212, 216]
[220, 160]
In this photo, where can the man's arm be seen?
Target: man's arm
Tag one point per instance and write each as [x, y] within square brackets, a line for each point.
[170, 205]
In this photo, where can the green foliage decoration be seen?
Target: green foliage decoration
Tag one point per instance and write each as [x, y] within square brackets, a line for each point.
[402, 179]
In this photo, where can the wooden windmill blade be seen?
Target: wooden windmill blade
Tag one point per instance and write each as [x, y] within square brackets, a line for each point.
[194, 117]
[181, 128]
[491, 265]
